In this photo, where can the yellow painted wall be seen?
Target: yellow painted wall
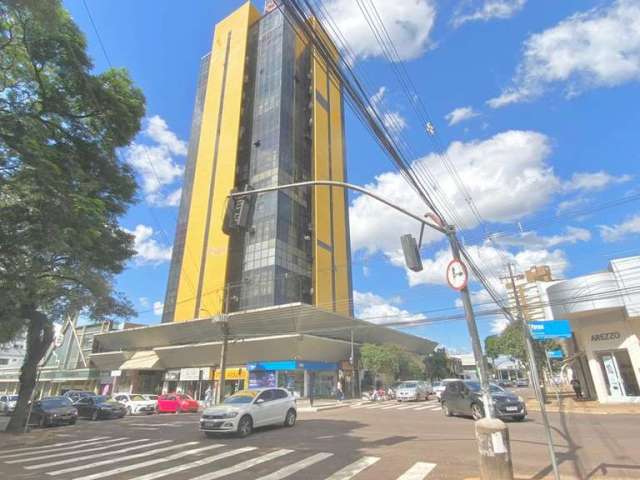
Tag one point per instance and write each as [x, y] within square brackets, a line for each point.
[232, 34]
[331, 269]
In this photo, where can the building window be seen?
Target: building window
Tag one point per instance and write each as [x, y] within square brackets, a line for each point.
[4, 361]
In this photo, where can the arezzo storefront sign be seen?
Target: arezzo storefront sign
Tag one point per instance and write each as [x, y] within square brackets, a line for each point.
[599, 337]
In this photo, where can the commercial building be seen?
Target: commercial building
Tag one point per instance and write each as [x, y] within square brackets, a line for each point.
[12, 352]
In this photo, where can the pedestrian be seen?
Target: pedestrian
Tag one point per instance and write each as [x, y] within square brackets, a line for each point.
[577, 387]
[339, 392]
[207, 396]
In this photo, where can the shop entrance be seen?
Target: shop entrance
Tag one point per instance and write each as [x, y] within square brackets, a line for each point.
[618, 374]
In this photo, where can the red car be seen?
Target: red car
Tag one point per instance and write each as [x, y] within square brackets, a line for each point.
[176, 403]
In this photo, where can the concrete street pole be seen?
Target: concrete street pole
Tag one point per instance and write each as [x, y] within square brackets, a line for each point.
[491, 433]
[224, 325]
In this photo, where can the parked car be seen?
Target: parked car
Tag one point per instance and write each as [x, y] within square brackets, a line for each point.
[176, 403]
[136, 404]
[522, 383]
[100, 407]
[412, 390]
[75, 395]
[242, 412]
[438, 387]
[8, 403]
[463, 397]
[505, 383]
[150, 397]
[53, 411]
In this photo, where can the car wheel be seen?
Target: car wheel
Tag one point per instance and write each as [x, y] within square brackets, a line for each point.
[94, 415]
[245, 426]
[128, 412]
[42, 423]
[519, 418]
[72, 421]
[290, 418]
[445, 409]
[476, 411]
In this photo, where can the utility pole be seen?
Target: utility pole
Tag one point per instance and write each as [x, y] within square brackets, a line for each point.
[224, 326]
[533, 370]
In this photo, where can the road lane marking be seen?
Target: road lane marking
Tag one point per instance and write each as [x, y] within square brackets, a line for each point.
[59, 449]
[296, 467]
[243, 465]
[353, 469]
[110, 461]
[71, 451]
[197, 463]
[97, 455]
[61, 444]
[155, 461]
[407, 407]
[391, 406]
[418, 471]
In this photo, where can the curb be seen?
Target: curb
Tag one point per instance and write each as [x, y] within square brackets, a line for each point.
[322, 408]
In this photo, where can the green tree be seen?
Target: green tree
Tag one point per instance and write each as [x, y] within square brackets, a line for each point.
[62, 185]
[380, 359]
[437, 365]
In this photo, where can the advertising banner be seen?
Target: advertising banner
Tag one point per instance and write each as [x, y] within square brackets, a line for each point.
[550, 329]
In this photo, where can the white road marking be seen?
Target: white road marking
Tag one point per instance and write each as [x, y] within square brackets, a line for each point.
[82, 457]
[155, 461]
[377, 405]
[197, 463]
[418, 471]
[353, 469]
[243, 465]
[391, 406]
[71, 451]
[147, 453]
[407, 407]
[356, 405]
[49, 448]
[296, 467]
[361, 405]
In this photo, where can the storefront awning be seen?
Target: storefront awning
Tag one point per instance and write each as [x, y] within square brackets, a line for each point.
[145, 360]
[110, 360]
[288, 319]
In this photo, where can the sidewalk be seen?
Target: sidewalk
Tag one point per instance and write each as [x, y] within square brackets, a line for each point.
[571, 405]
[323, 404]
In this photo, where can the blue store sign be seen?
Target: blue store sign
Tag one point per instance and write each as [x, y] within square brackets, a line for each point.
[283, 365]
[555, 354]
[550, 329]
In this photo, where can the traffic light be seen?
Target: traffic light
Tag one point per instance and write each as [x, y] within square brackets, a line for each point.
[237, 214]
[411, 252]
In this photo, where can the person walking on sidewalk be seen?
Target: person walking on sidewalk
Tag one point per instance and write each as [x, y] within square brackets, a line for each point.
[577, 388]
[339, 392]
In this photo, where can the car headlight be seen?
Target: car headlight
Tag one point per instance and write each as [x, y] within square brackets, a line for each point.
[520, 399]
[231, 415]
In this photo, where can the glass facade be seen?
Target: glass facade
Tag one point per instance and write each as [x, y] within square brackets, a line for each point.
[271, 263]
[178, 253]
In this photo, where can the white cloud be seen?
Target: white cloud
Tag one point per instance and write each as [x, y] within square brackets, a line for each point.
[158, 307]
[460, 115]
[408, 22]
[507, 175]
[489, 10]
[592, 181]
[155, 163]
[144, 302]
[148, 250]
[530, 239]
[376, 309]
[622, 230]
[571, 205]
[393, 120]
[597, 48]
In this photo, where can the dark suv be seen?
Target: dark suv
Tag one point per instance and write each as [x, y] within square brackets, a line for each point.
[463, 397]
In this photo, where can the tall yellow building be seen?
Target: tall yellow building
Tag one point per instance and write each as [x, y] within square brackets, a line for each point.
[267, 112]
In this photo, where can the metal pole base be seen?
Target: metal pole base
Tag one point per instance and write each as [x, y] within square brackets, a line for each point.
[494, 448]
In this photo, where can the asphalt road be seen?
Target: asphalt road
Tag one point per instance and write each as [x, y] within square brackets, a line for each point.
[383, 441]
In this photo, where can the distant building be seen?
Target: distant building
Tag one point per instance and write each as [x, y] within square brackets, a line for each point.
[12, 353]
[469, 366]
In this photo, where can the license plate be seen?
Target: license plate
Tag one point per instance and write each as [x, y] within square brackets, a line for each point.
[512, 409]
[212, 424]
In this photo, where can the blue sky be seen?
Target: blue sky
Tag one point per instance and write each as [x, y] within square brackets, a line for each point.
[534, 103]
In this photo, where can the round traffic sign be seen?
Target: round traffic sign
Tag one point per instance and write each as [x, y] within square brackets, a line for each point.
[457, 275]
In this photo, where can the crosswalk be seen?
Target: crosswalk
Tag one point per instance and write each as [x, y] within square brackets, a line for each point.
[393, 405]
[199, 460]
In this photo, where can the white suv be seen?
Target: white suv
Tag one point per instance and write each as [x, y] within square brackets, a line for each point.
[8, 403]
[242, 412]
[136, 403]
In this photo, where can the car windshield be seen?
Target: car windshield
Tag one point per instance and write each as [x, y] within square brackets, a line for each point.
[241, 397]
[475, 387]
[436, 384]
[408, 385]
[137, 398]
[151, 397]
[12, 398]
[55, 402]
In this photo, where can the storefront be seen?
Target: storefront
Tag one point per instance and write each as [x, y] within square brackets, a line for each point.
[235, 379]
[299, 377]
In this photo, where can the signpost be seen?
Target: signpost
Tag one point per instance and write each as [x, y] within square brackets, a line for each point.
[555, 354]
[550, 329]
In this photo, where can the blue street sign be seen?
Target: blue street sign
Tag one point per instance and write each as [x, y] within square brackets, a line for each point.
[549, 329]
[558, 354]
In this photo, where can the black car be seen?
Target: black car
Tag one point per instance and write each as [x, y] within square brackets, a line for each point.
[100, 406]
[75, 395]
[463, 397]
[53, 411]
